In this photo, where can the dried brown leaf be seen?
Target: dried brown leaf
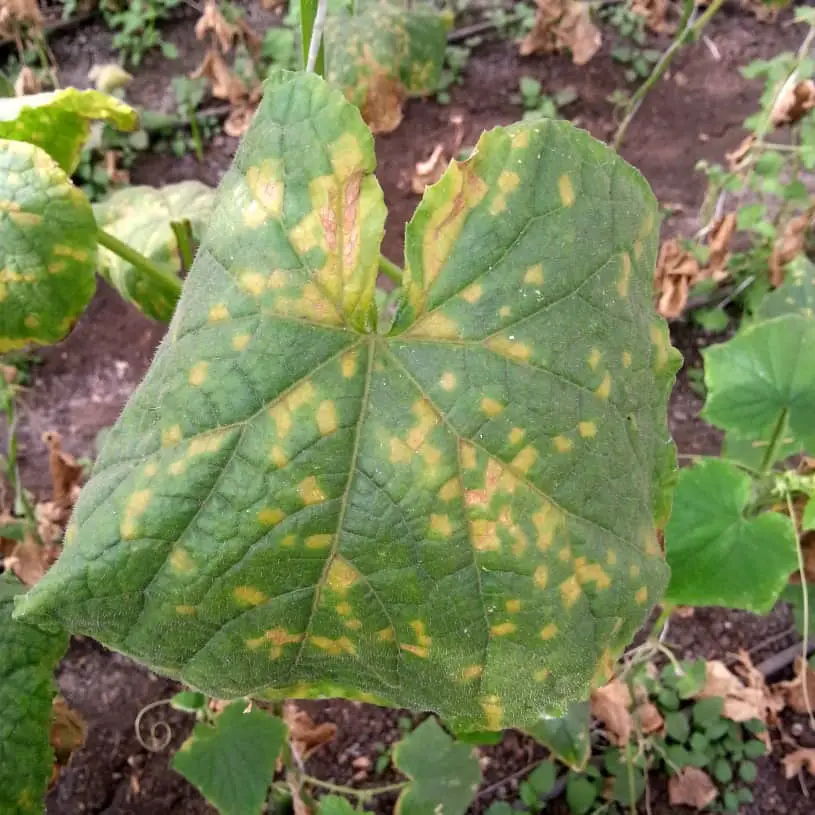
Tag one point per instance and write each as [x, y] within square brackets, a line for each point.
[791, 692]
[67, 734]
[211, 20]
[562, 24]
[764, 12]
[654, 12]
[795, 762]
[305, 736]
[794, 103]
[29, 559]
[718, 242]
[649, 718]
[27, 82]
[65, 471]
[16, 14]
[691, 787]
[736, 157]
[225, 83]
[239, 119]
[382, 108]
[789, 245]
[611, 704]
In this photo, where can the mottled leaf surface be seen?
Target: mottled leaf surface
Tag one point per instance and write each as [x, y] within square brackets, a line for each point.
[47, 248]
[59, 122]
[718, 555]
[567, 736]
[28, 657]
[459, 516]
[765, 375]
[142, 217]
[233, 761]
[444, 774]
[384, 54]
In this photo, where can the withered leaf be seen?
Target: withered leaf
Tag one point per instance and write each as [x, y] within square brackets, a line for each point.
[798, 760]
[611, 704]
[225, 83]
[562, 24]
[304, 735]
[211, 20]
[691, 787]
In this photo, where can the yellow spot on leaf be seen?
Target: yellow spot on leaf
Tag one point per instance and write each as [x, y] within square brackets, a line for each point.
[472, 294]
[541, 577]
[218, 313]
[516, 435]
[565, 190]
[271, 516]
[289, 540]
[594, 358]
[591, 573]
[450, 490]
[281, 415]
[354, 624]
[240, 341]
[493, 711]
[626, 359]
[337, 647]
[278, 457]
[565, 554]
[509, 348]
[437, 326]
[181, 561]
[490, 406]
[541, 675]
[276, 638]
[625, 275]
[468, 458]
[604, 388]
[344, 608]
[177, 467]
[249, 595]
[266, 184]
[661, 344]
[341, 575]
[562, 444]
[549, 631]
[137, 503]
[570, 591]
[611, 557]
[502, 629]
[253, 282]
[504, 311]
[322, 541]
[185, 611]
[400, 453]
[512, 606]
[198, 374]
[485, 535]
[634, 570]
[386, 634]
[349, 364]
[310, 492]
[416, 650]
[448, 381]
[326, 418]
[440, 525]
[534, 275]
[525, 459]
[587, 430]
[641, 596]
[520, 139]
[31, 321]
[472, 672]
[171, 436]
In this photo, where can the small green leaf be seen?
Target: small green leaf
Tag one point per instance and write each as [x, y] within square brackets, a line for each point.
[581, 793]
[668, 699]
[628, 787]
[808, 518]
[501, 808]
[233, 762]
[754, 749]
[761, 374]
[480, 737]
[748, 772]
[59, 122]
[752, 452]
[528, 795]
[543, 777]
[566, 737]
[718, 555]
[796, 295]
[47, 248]
[142, 217]
[708, 712]
[189, 701]
[335, 805]
[711, 319]
[723, 771]
[28, 657]
[677, 726]
[444, 774]
[693, 680]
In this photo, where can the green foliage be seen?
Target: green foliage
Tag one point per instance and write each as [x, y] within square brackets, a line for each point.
[334, 805]
[189, 701]
[27, 688]
[631, 51]
[456, 58]
[796, 295]
[47, 248]
[444, 774]
[233, 761]
[136, 27]
[267, 510]
[566, 737]
[383, 54]
[719, 554]
[537, 104]
[142, 217]
[59, 122]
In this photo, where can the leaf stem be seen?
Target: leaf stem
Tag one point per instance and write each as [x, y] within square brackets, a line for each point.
[390, 270]
[183, 236]
[688, 30]
[163, 278]
[312, 22]
[775, 443]
[364, 794]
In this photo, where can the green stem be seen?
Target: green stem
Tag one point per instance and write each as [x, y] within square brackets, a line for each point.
[183, 236]
[390, 270]
[196, 138]
[370, 792]
[688, 30]
[163, 279]
[776, 440]
[22, 507]
[308, 16]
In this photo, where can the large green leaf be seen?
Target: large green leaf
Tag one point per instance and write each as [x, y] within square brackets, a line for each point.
[384, 54]
[796, 295]
[763, 381]
[233, 761]
[718, 555]
[142, 217]
[59, 122]
[444, 774]
[47, 248]
[567, 736]
[28, 657]
[434, 518]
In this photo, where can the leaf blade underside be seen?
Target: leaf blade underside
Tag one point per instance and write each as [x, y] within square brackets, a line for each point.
[289, 501]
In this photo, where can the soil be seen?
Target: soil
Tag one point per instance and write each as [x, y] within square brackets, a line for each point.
[79, 386]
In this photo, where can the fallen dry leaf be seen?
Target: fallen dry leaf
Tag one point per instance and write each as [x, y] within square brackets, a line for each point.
[794, 103]
[791, 692]
[735, 158]
[16, 14]
[789, 245]
[654, 12]
[67, 734]
[27, 82]
[305, 736]
[65, 472]
[561, 24]
[29, 559]
[211, 20]
[718, 242]
[692, 787]
[795, 762]
[649, 718]
[225, 83]
[611, 704]
[676, 271]
[239, 119]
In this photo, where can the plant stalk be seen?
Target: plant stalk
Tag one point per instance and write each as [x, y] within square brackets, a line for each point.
[363, 794]
[312, 22]
[183, 236]
[688, 30]
[164, 279]
[390, 270]
[776, 441]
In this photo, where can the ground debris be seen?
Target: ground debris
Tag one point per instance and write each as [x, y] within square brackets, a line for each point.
[691, 787]
[560, 25]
